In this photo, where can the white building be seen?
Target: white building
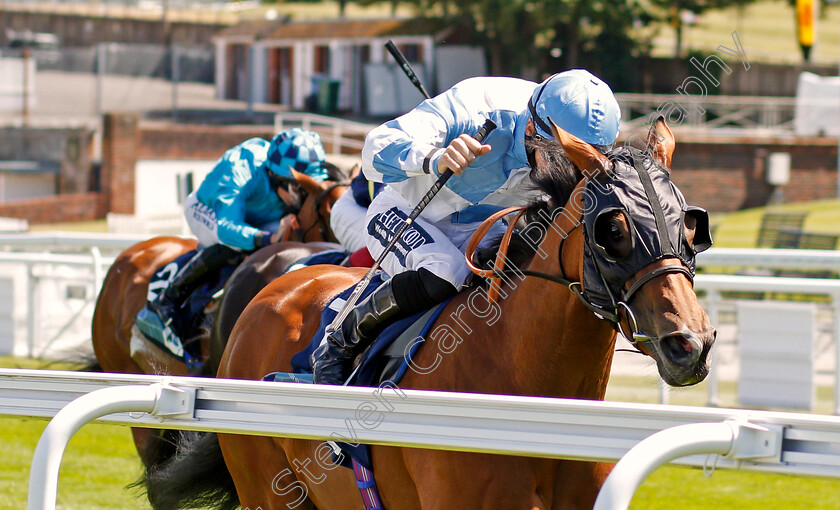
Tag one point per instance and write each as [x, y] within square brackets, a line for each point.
[287, 63]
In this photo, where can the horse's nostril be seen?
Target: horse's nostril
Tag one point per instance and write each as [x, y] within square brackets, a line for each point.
[680, 348]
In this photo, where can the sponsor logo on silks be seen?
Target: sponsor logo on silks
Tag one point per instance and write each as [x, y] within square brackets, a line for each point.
[386, 224]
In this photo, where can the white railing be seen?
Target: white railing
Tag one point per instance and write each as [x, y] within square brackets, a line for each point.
[770, 258]
[765, 114]
[55, 241]
[39, 267]
[789, 443]
[712, 285]
[715, 285]
[341, 134]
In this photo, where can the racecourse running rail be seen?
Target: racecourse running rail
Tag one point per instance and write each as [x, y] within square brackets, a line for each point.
[775, 442]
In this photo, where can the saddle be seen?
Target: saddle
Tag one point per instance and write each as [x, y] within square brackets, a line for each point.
[192, 320]
[384, 362]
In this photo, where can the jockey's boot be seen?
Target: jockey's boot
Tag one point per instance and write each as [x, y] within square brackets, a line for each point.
[189, 277]
[399, 297]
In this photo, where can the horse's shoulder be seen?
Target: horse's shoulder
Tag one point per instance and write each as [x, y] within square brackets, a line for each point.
[311, 284]
[159, 247]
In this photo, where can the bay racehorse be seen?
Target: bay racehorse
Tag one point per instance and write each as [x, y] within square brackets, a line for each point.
[539, 337]
[124, 291]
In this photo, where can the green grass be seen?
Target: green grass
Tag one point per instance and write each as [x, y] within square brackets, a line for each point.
[99, 462]
[79, 226]
[739, 229]
[669, 488]
[766, 29]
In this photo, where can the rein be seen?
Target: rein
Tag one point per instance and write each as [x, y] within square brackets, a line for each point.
[575, 287]
[320, 221]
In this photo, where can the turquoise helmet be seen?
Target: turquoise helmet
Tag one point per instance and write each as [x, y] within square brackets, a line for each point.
[299, 150]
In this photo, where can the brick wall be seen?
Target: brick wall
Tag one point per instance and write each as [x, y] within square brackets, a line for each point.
[730, 175]
[120, 142]
[720, 175]
[66, 148]
[57, 209]
[81, 30]
[163, 141]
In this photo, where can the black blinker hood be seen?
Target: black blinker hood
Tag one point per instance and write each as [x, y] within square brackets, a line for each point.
[641, 188]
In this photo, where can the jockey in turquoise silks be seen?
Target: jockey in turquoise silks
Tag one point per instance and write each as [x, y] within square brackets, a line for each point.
[239, 205]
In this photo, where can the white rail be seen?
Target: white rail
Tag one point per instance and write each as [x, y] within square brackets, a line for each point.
[63, 240]
[532, 426]
[731, 438]
[764, 114]
[770, 258]
[715, 285]
[342, 134]
[712, 285]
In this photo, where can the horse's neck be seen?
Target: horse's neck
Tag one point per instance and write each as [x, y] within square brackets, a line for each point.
[557, 347]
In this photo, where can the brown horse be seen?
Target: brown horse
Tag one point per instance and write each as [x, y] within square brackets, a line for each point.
[124, 290]
[539, 339]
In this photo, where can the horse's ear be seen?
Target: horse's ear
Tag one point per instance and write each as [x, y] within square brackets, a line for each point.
[312, 186]
[660, 142]
[587, 158]
[355, 171]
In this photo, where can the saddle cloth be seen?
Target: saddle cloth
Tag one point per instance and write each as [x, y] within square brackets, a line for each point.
[190, 316]
[387, 358]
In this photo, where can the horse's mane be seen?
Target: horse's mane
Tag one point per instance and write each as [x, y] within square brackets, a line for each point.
[334, 173]
[555, 180]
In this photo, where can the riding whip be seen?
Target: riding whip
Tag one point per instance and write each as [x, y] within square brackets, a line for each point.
[398, 56]
[488, 126]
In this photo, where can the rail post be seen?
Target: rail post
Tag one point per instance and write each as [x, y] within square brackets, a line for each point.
[732, 438]
[157, 399]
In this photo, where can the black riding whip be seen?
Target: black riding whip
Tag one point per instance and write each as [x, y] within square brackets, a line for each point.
[482, 133]
[398, 56]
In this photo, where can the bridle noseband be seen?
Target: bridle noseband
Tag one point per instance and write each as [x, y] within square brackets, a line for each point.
[618, 301]
[320, 221]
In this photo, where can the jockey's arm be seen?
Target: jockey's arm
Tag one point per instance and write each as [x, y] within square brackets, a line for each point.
[230, 211]
[429, 139]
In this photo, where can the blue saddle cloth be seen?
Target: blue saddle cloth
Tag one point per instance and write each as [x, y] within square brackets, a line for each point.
[188, 317]
[334, 257]
[368, 373]
[371, 363]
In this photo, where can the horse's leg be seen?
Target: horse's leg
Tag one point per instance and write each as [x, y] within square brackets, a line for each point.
[263, 476]
[480, 481]
[277, 474]
[263, 340]
[577, 484]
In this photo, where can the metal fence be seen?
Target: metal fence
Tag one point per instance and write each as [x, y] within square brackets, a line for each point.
[762, 441]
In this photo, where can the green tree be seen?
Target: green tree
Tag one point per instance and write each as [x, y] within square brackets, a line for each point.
[675, 13]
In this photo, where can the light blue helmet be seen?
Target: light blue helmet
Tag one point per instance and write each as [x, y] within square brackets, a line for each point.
[580, 103]
[297, 149]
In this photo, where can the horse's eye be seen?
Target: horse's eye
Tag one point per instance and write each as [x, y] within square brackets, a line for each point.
[612, 235]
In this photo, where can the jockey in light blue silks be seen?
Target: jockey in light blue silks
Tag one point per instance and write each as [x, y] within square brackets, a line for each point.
[239, 205]
[409, 154]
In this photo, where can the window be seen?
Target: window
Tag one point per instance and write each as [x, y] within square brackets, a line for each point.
[412, 52]
[322, 59]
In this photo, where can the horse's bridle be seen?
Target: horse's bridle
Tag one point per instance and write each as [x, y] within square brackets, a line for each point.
[575, 287]
[320, 221]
